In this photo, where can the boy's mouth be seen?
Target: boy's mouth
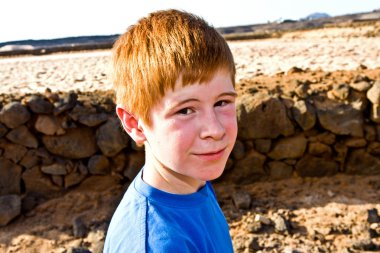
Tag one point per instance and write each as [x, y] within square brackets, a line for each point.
[212, 155]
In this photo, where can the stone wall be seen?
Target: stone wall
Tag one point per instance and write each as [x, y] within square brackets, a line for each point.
[50, 143]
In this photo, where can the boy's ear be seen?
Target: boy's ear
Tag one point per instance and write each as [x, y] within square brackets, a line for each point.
[131, 125]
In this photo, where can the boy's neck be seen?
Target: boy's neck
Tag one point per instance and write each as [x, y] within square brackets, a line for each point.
[160, 177]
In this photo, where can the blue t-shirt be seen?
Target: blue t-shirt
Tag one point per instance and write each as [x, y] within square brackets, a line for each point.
[151, 220]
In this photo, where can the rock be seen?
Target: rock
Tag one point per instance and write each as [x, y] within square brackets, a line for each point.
[136, 162]
[263, 145]
[10, 207]
[341, 154]
[263, 219]
[92, 120]
[119, 162]
[279, 170]
[370, 132]
[365, 245]
[79, 227]
[3, 130]
[38, 183]
[311, 166]
[14, 152]
[261, 116]
[67, 103]
[319, 149]
[14, 114]
[375, 113]
[341, 91]
[304, 115]
[22, 135]
[361, 162]
[241, 200]
[98, 165]
[10, 177]
[355, 142]
[280, 224]
[78, 250]
[49, 125]
[238, 151]
[373, 216]
[289, 147]
[339, 118]
[30, 159]
[54, 169]
[373, 94]
[76, 176]
[248, 169]
[325, 137]
[358, 100]
[361, 86]
[374, 148]
[75, 144]
[110, 137]
[302, 91]
[40, 105]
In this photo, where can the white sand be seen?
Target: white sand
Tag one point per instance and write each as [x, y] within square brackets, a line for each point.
[87, 71]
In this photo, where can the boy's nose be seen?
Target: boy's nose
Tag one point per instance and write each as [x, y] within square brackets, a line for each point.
[212, 127]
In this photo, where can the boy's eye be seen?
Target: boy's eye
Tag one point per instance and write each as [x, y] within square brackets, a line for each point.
[222, 103]
[185, 111]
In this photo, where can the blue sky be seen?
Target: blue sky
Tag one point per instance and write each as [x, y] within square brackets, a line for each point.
[46, 19]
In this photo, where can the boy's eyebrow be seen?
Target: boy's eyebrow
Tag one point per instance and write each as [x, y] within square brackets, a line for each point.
[229, 93]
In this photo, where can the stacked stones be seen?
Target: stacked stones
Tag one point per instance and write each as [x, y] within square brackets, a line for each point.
[308, 132]
[52, 142]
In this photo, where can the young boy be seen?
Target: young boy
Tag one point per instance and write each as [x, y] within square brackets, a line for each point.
[174, 81]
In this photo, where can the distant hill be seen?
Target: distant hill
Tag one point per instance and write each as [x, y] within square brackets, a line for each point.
[256, 31]
[316, 15]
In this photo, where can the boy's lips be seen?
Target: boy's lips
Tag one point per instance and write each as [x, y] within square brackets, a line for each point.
[212, 155]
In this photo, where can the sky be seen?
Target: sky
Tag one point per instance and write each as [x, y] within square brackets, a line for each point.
[47, 19]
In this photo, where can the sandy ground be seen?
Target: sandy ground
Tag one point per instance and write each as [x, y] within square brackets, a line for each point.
[323, 214]
[88, 71]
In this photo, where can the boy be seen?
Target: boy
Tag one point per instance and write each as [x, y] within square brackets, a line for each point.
[174, 82]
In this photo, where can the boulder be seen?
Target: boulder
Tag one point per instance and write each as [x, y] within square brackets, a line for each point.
[373, 94]
[37, 183]
[22, 135]
[361, 162]
[375, 113]
[135, 163]
[10, 207]
[66, 103]
[248, 169]
[340, 118]
[263, 145]
[110, 137]
[54, 169]
[75, 144]
[304, 115]
[360, 86]
[40, 105]
[48, 125]
[238, 151]
[341, 91]
[279, 170]
[10, 177]
[92, 120]
[14, 152]
[319, 149]
[289, 147]
[14, 114]
[98, 165]
[30, 159]
[3, 130]
[312, 166]
[262, 116]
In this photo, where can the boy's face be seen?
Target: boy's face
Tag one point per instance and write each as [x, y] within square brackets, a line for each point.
[194, 129]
